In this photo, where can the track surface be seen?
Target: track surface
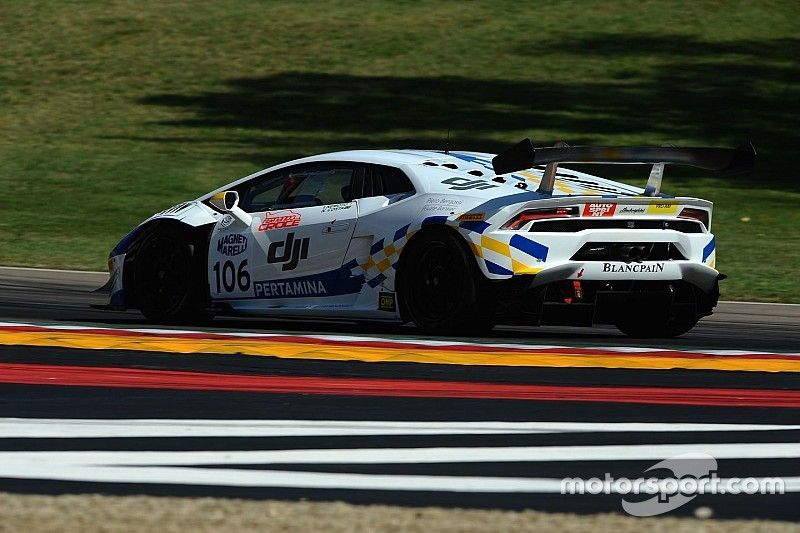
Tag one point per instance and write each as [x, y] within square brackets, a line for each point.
[74, 419]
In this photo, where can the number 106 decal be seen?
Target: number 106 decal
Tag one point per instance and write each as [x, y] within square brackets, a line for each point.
[230, 277]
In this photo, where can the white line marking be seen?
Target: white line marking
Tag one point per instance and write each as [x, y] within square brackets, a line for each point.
[83, 466]
[404, 455]
[32, 270]
[101, 428]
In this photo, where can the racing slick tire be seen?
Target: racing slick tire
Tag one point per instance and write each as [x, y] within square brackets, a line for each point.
[440, 287]
[168, 281]
[642, 326]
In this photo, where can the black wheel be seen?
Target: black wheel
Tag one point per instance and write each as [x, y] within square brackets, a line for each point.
[643, 326]
[440, 286]
[168, 277]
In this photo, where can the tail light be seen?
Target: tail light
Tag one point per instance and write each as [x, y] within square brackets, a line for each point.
[695, 214]
[540, 214]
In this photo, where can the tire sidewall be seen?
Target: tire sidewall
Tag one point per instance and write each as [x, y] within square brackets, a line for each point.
[469, 309]
[190, 307]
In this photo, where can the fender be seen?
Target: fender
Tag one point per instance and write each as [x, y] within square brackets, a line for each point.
[194, 214]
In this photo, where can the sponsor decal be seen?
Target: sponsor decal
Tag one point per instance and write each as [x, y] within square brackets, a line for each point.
[291, 251]
[334, 207]
[317, 285]
[633, 267]
[662, 208]
[226, 221]
[632, 210]
[386, 301]
[472, 217]
[437, 204]
[279, 289]
[279, 220]
[599, 210]
[232, 244]
[465, 184]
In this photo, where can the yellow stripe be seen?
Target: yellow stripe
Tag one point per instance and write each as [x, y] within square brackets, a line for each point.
[495, 245]
[295, 350]
[521, 268]
[476, 249]
[384, 265]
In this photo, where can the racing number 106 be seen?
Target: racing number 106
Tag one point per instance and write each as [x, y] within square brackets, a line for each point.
[229, 276]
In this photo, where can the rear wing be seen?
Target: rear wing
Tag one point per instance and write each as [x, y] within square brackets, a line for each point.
[723, 161]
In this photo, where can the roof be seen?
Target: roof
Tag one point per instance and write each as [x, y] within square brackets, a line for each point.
[475, 165]
[568, 181]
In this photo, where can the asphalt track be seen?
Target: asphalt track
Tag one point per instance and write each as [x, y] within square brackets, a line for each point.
[92, 401]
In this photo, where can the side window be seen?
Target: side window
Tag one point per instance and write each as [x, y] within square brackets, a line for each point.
[379, 180]
[295, 187]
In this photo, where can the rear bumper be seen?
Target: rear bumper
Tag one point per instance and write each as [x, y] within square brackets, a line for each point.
[698, 274]
[561, 298]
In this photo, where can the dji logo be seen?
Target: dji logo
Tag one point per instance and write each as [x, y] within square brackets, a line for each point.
[293, 251]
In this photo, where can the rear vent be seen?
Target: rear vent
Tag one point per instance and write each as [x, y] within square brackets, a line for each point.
[475, 172]
[431, 164]
[628, 252]
[450, 165]
[573, 225]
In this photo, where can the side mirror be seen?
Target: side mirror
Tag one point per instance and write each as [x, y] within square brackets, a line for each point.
[228, 202]
[230, 199]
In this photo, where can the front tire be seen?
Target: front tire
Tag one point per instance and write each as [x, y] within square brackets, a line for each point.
[168, 277]
[440, 286]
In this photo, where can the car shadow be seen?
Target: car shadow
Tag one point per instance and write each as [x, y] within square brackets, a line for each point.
[709, 93]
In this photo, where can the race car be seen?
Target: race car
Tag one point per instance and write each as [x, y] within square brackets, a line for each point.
[451, 241]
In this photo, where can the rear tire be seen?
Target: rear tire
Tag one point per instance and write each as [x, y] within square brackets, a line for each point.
[169, 281]
[440, 287]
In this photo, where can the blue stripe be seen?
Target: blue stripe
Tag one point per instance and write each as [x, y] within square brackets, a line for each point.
[476, 226]
[434, 220]
[532, 248]
[503, 201]
[331, 283]
[494, 268]
[374, 282]
[709, 249]
[399, 234]
[122, 246]
[485, 163]
[377, 247]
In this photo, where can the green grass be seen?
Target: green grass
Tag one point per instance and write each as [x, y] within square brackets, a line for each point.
[110, 111]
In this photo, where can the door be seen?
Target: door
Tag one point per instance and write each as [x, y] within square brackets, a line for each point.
[291, 255]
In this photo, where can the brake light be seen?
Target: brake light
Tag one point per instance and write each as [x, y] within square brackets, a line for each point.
[696, 214]
[539, 214]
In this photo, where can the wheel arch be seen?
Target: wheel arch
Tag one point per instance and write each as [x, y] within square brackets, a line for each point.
[418, 236]
[201, 236]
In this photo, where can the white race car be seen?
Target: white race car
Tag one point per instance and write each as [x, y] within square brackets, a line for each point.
[451, 241]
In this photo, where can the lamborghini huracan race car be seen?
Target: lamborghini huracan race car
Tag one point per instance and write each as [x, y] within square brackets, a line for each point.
[451, 241]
